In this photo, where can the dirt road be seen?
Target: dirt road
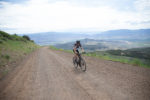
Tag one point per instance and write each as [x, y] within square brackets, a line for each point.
[49, 75]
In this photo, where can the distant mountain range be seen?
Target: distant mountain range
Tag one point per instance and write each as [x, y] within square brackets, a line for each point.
[100, 45]
[52, 38]
[124, 34]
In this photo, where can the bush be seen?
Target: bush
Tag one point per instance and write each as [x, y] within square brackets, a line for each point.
[5, 35]
[1, 41]
[32, 41]
[17, 38]
[26, 37]
[5, 39]
[136, 62]
[6, 56]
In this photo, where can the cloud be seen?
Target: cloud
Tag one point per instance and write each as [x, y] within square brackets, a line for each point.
[59, 15]
[142, 5]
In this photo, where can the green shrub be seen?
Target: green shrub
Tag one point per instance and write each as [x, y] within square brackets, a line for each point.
[7, 57]
[5, 35]
[32, 41]
[26, 37]
[1, 41]
[136, 62]
[5, 39]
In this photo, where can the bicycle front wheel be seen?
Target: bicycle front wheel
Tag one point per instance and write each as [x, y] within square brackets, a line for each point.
[75, 62]
[83, 65]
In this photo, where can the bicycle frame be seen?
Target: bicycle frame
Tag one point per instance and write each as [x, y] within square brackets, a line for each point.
[80, 61]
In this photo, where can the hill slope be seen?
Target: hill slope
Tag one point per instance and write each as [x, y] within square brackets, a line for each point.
[12, 49]
[143, 53]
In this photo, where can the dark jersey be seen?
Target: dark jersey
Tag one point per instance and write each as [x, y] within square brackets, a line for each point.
[77, 46]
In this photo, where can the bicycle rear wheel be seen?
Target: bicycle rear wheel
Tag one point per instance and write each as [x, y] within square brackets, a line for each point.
[83, 65]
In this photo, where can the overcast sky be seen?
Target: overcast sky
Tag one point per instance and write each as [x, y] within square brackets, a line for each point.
[31, 16]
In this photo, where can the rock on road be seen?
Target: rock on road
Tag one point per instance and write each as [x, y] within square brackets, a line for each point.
[49, 75]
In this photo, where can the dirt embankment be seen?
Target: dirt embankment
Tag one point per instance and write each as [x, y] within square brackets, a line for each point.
[49, 75]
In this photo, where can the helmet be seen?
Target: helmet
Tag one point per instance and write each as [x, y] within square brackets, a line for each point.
[78, 42]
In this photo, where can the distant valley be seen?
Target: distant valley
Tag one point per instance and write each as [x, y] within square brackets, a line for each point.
[63, 37]
[101, 45]
[96, 41]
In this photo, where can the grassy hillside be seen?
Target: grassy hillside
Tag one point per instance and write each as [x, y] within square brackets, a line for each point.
[123, 59]
[143, 53]
[115, 55]
[12, 49]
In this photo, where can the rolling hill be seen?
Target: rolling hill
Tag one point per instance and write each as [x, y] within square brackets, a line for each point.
[52, 38]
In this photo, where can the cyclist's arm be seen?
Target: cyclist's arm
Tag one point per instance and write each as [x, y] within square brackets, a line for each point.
[82, 49]
[75, 50]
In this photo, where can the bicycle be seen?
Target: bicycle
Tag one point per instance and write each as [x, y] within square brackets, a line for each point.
[79, 61]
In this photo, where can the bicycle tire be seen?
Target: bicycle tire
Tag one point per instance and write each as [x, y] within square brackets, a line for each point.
[75, 63]
[83, 64]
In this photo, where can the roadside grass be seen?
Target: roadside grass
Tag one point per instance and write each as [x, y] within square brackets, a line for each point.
[13, 51]
[19, 46]
[5, 72]
[107, 56]
[122, 59]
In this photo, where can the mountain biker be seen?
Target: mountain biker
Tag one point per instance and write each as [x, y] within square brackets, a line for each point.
[76, 46]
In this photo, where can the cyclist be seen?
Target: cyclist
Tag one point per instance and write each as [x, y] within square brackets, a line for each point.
[76, 46]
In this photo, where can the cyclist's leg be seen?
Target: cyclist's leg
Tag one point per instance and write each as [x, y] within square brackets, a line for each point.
[79, 58]
[78, 55]
[75, 55]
